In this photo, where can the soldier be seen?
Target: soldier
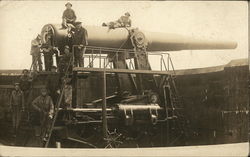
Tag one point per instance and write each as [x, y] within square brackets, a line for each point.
[44, 105]
[79, 41]
[125, 21]
[16, 105]
[69, 16]
[35, 52]
[68, 92]
[67, 95]
[25, 85]
[65, 60]
[48, 52]
[53, 84]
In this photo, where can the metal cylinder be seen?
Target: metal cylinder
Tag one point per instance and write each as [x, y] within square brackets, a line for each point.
[120, 38]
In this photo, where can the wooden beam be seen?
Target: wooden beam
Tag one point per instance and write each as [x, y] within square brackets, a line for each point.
[8, 86]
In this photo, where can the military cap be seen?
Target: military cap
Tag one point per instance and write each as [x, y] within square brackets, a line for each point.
[43, 89]
[25, 70]
[68, 4]
[78, 23]
[66, 46]
[127, 13]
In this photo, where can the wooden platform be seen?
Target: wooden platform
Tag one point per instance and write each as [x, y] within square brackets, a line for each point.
[82, 69]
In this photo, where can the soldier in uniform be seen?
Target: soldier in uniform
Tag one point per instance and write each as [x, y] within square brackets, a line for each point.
[53, 84]
[69, 16]
[43, 104]
[25, 85]
[48, 52]
[124, 21]
[79, 40]
[16, 105]
[35, 52]
[68, 92]
[65, 60]
[67, 95]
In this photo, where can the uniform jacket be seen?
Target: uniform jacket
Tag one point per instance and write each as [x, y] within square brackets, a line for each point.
[17, 99]
[35, 49]
[69, 14]
[80, 36]
[48, 51]
[25, 82]
[44, 104]
[53, 83]
[65, 58]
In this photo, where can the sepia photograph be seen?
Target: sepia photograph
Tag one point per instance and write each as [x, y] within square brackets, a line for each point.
[124, 78]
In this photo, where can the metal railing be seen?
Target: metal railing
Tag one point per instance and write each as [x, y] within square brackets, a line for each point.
[102, 57]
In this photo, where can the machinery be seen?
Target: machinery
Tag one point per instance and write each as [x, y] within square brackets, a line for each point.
[117, 99]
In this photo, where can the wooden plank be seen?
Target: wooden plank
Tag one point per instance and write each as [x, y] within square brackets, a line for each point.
[12, 86]
[83, 69]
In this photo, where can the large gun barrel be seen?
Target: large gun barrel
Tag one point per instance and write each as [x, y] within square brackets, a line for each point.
[175, 42]
[120, 38]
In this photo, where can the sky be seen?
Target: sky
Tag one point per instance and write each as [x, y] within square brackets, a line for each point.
[21, 21]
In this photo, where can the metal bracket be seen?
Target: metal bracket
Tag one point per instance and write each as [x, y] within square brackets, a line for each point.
[129, 116]
[153, 115]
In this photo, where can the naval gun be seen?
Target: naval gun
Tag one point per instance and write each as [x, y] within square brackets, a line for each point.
[145, 104]
[119, 38]
[122, 44]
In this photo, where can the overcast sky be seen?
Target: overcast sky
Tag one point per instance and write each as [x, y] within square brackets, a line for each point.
[21, 21]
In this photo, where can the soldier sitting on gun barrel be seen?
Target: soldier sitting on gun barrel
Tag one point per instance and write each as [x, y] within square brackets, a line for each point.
[69, 16]
[123, 21]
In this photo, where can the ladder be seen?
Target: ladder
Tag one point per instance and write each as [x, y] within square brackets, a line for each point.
[59, 101]
[174, 104]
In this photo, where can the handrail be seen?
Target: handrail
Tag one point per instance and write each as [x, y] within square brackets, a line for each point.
[96, 53]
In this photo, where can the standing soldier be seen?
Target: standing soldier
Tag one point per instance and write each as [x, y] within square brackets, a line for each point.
[67, 92]
[35, 52]
[79, 40]
[25, 85]
[44, 105]
[17, 105]
[65, 60]
[53, 84]
[69, 16]
[48, 52]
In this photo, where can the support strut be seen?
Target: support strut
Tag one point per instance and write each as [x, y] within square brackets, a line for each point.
[104, 108]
